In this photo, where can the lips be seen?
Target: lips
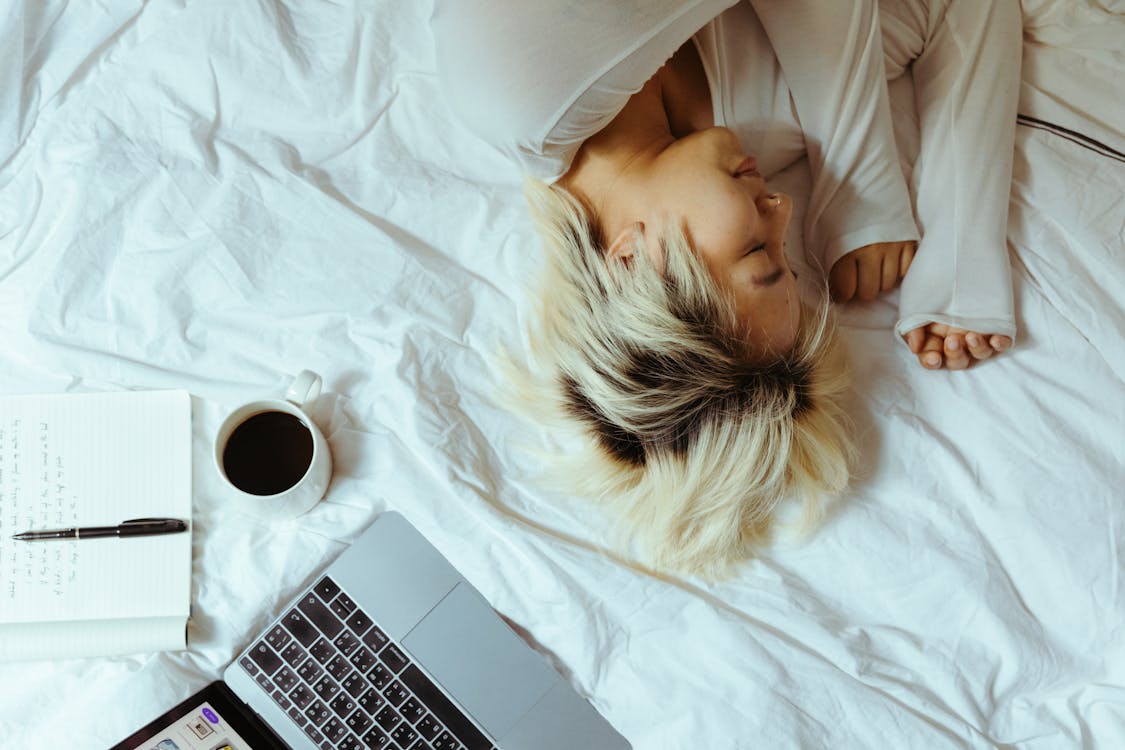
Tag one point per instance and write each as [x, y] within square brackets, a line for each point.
[748, 168]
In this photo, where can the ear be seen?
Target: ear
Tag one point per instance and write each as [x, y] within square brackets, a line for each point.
[628, 241]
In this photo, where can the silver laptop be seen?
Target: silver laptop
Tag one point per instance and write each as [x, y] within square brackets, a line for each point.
[392, 648]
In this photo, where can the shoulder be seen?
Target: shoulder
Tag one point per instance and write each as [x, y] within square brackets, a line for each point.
[515, 72]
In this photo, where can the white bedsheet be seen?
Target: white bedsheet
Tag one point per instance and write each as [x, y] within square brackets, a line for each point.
[214, 195]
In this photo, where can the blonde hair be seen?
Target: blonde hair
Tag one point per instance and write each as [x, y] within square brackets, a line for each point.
[692, 440]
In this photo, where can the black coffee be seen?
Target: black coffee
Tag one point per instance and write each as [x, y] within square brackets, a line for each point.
[268, 453]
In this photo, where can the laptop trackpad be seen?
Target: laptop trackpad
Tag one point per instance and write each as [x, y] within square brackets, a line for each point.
[479, 660]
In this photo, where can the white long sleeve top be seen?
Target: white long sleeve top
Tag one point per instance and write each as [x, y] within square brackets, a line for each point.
[789, 76]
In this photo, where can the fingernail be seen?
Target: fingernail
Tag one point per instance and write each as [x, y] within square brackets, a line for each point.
[932, 360]
[955, 345]
[973, 340]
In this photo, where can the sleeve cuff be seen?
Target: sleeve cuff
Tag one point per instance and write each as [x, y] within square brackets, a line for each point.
[989, 326]
[839, 246]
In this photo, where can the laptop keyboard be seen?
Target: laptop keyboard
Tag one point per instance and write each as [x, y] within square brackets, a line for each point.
[348, 686]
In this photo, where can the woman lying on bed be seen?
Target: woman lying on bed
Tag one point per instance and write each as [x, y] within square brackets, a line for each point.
[671, 318]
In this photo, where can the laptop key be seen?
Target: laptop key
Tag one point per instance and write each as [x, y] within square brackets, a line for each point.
[265, 657]
[278, 637]
[347, 642]
[404, 735]
[293, 654]
[285, 679]
[343, 606]
[376, 739]
[317, 713]
[326, 588]
[371, 701]
[354, 684]
[334, 730]
[445, 741]
[396, 693]
[364, 659]
[343, 705]
[326, 688]
[359, 622]
[296, 715]
[350, 743]
[394, 658]
[427, 726]
[249, 665]
[387, 718]
[302, 696]
[412, 710]
[359, 722]
[314, 609]
[310, 671]
[322, 651]
[375, 638]
[339, 667]
[280, 698]
[300, 627]
[379, 676]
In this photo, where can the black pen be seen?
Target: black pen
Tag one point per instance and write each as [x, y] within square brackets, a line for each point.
[136, 527]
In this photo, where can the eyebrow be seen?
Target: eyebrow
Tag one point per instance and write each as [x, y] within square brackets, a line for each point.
[768, 280]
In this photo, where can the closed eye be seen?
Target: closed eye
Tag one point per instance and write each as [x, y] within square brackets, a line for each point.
[756, 248]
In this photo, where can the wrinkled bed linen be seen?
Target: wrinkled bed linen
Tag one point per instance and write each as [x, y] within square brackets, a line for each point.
[214, 196]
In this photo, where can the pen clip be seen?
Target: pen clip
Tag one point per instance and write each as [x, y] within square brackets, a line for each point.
[169, 524]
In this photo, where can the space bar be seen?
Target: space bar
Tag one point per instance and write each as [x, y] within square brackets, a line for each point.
[454, 720]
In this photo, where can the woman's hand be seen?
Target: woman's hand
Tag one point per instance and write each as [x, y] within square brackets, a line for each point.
[866, 272]
[938, 344]
[869, 270]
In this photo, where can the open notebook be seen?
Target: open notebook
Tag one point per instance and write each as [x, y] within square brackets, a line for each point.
[93, 459]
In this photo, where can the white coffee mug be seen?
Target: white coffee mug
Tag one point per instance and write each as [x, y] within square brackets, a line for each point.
[274, 461]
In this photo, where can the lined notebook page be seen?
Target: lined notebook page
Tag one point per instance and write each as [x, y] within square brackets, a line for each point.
[93, 460]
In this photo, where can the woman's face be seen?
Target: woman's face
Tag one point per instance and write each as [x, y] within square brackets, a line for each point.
[714, 191]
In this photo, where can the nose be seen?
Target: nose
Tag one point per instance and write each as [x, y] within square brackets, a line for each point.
[775, 207]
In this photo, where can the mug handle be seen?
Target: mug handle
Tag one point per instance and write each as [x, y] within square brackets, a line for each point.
[304, 389]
